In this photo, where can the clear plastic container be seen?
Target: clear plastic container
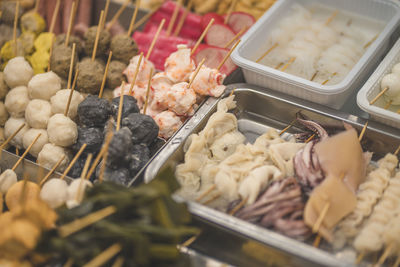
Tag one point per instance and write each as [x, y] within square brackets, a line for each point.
[384, 11]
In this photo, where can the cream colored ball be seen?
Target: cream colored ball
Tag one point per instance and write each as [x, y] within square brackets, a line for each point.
[17, 72]
[38, 113]
[11, 126]
[51, 154]
[44, 86]
[30, 135]
[7, 179]
[60, 99]
[54, 192]
[3, 114]
[62, 130]
[16, 101]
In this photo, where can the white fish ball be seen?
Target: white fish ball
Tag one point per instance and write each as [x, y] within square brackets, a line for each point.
[60, 99]
[392, 82]
[11, 126]
[38, 113]
[44, 85]
[396, 69]
[30, 135]
[54, 192]
[17, 72]
[62, 130]
[16, 101]
[3, 114]
[50, 155]
[7, 179]
[76, 191]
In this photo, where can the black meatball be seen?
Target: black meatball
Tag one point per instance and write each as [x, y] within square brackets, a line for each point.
[129, 106]
[92, 137]
[120, 148]
[77, 168]
[119, 176]
[155, 146]
[144, 129]
[94, 111]
[139, 157]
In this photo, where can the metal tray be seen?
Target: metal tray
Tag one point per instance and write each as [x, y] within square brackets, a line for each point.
[257, 109]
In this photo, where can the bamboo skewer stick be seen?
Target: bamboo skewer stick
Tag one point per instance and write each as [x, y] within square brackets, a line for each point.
[385, 254]
[106, 7]
[105, 256]
[235, 37]
[51, 53]
[15, 29]
[75, 78]
[388, 104]
[205, 193]
[310, 138]
[291, 60]
[238, 206]
[173, 17]
[11, 136]
[71, 66]
[117, 15]
[144, 18]
[146, 103]
[203, 34]
[330, 19]
[321, 217]
[212, 199]
[119, 262]
[363, 131]
[230, 10]
[135, 74]
[71, 21]
[196, 72]
[73, 161]
[100, 155]
[120, 107]
[287, 127]
[26, 152]
[82, 182]
[96, 42]
[103, 82]
[51, 171]
[228, 55]
[381, 93]
[130, 30]
[155, 39]
[327, 80]
[54, 18]
[267, 52]
[371, 41]
[183, 18]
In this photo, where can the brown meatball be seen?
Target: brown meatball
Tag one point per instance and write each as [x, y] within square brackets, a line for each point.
[61, 59]
[60, 40]
[123, 48]
[114, 75]
[104, 41]
[90, 76]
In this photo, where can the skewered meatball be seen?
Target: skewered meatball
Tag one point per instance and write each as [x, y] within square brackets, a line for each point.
[27, 39]
[123, 47]
[3, 114]
[44, 86]
[120, 148]
[60, 99]
[90, 76]
[62, 130]
[50, 155]
[90, 38]
[94, 111]
[155, 146]
[92, 137]
[129, 106]
[7, 179]
[38, 113]
[138, 159]
[120, 176]
[77, 168]
[8, 12]
[61, 59]
[29, 189]
[60, 41]
[144, 129]
[76, 191]
[17, 72]
[11, 127]
[33, 22]
[3, 86]
[16, 101]
[54, 192]
[114, 75]
[30, 135]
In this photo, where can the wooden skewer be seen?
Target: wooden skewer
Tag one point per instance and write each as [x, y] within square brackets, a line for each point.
[148, 92]
[100, 155]
[82, 184]
[363, 131]
[103, 166]
[397, 262]
[314, 75]
[51, 171]
[203, 34]
[231, 8]
[36, 9]
[360, 258]
[267, 52]
[15, 29]
[105, 14]
[145, 18]
[212, 199]
[189, 241]
[54, 18]
[119, 262]
[317, 241]
[71, 66]
[71, 93]
[69, 263]
[103, 82]
[86, 167]
[228, 55]
[291, 60]
[196, 72]
[117, 15]
[321, 217]
[385, 254]
[327, 80]
[381, 93]
[11, 136]
[75, 78]
[71, 21]
[232, 92]
[135, 74]
[17, 151]
[235, 37]
[133, 19]
[287, 127]
[105, 256]
[205, 193]
[96, 42]
[173, 17]
[388, 104]
[78, 224]
[238, 206]
[51, 52]
[73, 161]
[121, 103]
[155, 39]
[279, 66]
[310, 138]
[26, 152]
[329, 20]
[397, 150]
[183, 18]
[371, 41]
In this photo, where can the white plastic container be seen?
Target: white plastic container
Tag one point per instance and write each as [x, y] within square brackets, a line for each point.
[385, 11]
[372, 88]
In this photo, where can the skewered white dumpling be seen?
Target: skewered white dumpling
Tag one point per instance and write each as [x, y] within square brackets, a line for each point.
[60, 99]
[7, 179]
[62, 130]
[44, 85]
[76, 190]
[392, 82]
[17, 72]
[16, 101]
[50, 155]
[38, 113]
[54, 192]
[11, 127]
[30, 135]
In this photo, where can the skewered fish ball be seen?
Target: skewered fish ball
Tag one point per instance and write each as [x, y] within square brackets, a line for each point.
[54, 192]
[60, 99]
[17, 72]
[120, 148]
[102, 46]
[33, 22]
[392, 82]
[60, 41]
[61, 59]
[38, 113]
[3, 114]
[62, 130]
[138, 159]
[30, 135]
[90, 76]
[44, 86]
[50, 155]
[144, 129]
[11, 127]
[92, 137]
[16, 101]
[3, 86]
[29, 189]
[129, 106]
[114, 75]
[76, 191]
[123, 47]
[94, 111]
[7, 179]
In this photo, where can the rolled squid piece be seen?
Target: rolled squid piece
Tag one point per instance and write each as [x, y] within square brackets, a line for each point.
[181, 98]
[30, 135]
[62, 130]
[160, 85]
[38, 113]
[3, 114]
[11, 126]
[168, 122]
[179, 65]
[60, 99]
[208, 82]
[51, 154]
[144, 71]
[54, 192]
[16, 101]
[17, 72]
[44, 86]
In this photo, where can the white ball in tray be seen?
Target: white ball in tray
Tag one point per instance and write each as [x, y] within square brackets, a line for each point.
[391, 83]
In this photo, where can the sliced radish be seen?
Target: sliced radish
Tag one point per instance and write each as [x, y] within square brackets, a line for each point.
[219, 35]
[239, 20]
[207, 17]
[214, 56]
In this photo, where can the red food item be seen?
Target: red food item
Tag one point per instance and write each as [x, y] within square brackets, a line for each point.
[219, 35]
[238, 20]
[207, 17]
[214, 56]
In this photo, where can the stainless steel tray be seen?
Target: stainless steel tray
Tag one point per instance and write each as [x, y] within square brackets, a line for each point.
[258, 109]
